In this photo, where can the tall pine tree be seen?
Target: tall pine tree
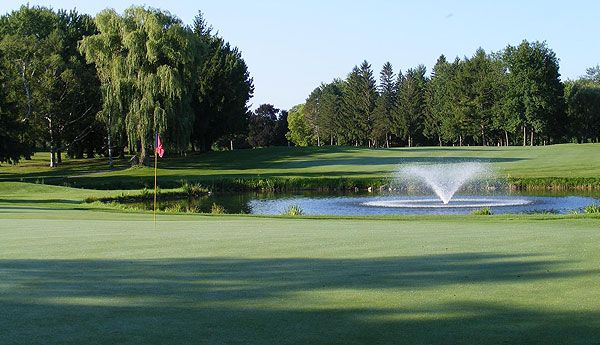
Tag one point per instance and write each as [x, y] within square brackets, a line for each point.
[383, 114]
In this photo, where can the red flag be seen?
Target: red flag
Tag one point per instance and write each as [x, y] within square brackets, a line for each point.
[160, 151]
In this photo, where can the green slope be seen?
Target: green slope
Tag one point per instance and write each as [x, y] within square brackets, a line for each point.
[552, 162]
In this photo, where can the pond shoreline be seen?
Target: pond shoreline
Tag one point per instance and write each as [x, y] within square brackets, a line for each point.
[297, 184]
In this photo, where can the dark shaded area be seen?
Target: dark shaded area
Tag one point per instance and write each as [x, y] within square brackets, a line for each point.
[39, 201]
[189, 301]
[285, 163]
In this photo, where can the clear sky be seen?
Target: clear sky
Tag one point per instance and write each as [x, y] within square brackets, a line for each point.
[293, 46]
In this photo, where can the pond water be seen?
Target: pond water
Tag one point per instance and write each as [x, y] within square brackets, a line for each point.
[362, 203]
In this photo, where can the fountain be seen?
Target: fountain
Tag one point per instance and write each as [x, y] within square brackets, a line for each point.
[445, 179]
[445, 187]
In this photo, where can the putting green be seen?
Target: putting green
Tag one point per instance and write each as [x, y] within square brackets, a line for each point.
[71, 277]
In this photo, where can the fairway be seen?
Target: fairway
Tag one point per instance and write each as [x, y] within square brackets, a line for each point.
[553, 162]
[74, 277]
[187, 175]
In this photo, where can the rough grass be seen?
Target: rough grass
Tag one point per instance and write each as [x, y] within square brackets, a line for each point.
[569, 165]
[81, 277]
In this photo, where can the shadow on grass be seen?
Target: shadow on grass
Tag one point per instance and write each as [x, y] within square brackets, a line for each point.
[220, 300]
[285, 163]
[40, 201]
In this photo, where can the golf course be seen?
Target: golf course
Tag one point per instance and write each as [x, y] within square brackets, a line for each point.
[75, 272]
[299, 173]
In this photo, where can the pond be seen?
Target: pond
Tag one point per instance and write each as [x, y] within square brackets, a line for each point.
[388, 203]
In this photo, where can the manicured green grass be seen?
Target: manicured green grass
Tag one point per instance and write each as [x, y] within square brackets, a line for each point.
[90, 277]
[73, 273]
[580, 163]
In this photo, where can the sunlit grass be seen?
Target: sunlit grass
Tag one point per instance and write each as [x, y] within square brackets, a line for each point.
[234, 279]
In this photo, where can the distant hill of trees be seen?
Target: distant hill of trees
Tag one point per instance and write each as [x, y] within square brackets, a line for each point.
[513, 97]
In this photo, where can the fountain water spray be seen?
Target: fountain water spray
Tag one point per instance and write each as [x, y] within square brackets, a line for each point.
[445, 179]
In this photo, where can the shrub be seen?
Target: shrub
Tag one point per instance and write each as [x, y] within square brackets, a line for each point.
[592, 209]
[193, 209]
[217, 209]
[293, 210]
[175, 208]
[91, 199]
[482, 212]
[193, 189]
[147, 194]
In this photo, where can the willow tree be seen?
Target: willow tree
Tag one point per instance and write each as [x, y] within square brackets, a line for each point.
[145, 57]
[105, 50]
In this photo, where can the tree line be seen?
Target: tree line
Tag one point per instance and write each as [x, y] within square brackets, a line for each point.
[84, 86]
[512, 97]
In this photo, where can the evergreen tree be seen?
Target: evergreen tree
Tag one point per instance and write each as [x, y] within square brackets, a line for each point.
[222, 85]
[359, 103]
[438, 100]
[330, 122]
[384, 108]
[397, 125]
[312, 112]
[592, 74]
[411, 104]
[479, 95]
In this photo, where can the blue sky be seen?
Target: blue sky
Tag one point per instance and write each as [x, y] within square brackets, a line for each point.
[293, 46]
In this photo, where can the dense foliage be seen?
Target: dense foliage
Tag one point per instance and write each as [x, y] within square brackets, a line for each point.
[104, 86]
[48, 88]
[107, 84]
[507, 98]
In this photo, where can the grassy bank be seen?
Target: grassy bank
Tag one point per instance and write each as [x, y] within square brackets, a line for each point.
[283, 168]
[75, 277]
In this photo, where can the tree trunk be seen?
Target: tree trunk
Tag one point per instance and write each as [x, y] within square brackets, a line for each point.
[506, 136]
[460, 140]
[27, 90]
[109, 142]
[387, 140]
[440, 140]
[52, 145]
[52, 156]
[483, 136]
[143, 155]
[231, 144]
[58, 157]
[532, 131]
[524, 135]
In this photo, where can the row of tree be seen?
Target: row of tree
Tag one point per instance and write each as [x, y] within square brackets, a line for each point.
[506, 98]
[76, 84]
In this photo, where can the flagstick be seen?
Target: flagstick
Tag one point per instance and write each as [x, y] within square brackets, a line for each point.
[155, 165]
